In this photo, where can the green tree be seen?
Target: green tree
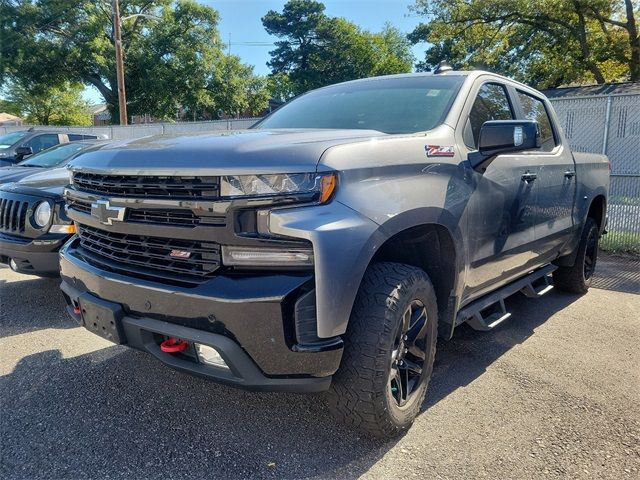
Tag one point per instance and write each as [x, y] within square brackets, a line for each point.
[316, 50]
[280, 86]
[237, 90]
[40, 105]
[171, 50]
[546, 43]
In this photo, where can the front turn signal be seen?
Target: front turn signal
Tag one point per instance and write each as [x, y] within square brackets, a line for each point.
[328, 186]
[70, 229]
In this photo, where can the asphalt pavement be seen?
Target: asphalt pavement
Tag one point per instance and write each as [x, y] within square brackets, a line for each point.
[553, 393]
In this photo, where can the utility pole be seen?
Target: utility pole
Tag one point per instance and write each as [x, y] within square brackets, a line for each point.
[122, 100]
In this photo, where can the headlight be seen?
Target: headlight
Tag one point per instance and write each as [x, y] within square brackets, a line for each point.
[280, 184]
[42, 214]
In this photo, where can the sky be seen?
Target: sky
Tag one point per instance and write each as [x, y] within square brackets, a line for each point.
[241, 20]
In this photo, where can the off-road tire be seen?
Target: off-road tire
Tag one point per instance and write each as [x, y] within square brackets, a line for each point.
[359, 395]
[572, 279]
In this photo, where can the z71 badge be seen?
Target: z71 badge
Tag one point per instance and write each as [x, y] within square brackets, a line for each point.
[439, 151]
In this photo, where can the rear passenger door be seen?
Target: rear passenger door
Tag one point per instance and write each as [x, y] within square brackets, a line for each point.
[500, 209]
[556, 182]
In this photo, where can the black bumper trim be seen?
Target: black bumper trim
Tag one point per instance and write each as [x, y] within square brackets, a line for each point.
[34, 257]
[242, 371]
[142, 334]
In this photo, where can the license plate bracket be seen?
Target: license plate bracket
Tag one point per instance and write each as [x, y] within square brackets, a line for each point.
[102, 317]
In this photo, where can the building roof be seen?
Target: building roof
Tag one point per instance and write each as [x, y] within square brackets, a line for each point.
[7, 117]
[627, 88]
[97, 108]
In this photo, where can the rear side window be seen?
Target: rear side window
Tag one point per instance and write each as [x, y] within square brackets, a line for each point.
[492, 103]
[534, 109]
[42, 142]
[74, 137]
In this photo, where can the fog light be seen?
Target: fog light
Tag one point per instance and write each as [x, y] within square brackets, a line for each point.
[209, 356]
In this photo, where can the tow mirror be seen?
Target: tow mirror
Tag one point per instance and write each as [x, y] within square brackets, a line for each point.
[504, 136]
[22, 152]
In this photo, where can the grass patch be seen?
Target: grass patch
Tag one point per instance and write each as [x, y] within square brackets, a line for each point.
[628, 242]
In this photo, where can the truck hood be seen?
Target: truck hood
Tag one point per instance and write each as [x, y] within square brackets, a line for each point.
[235, 152]
[47, 182]
[15, 173]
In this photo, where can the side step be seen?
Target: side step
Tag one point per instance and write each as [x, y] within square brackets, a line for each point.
[489, 311]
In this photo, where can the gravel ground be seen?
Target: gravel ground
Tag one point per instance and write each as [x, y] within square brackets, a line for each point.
[553, 393]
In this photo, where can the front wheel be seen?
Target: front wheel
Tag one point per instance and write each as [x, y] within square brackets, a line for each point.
[578, 278]
[389, 349]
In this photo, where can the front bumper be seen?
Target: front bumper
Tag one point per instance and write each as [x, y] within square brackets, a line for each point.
[32, 256]
[250, 319]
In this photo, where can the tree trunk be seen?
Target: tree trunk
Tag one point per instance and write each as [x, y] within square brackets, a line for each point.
[581, 33]
[634, 43]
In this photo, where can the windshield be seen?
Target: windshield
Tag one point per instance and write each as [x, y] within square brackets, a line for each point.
[389, 105]
[10, 138]
[54, 156]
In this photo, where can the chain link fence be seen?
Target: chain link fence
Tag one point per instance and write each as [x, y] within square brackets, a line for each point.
[117, 132]
[610, 124]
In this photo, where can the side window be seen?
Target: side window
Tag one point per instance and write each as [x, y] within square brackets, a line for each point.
[534, 109]
[42, 142]
[74, 137]
[492, 103]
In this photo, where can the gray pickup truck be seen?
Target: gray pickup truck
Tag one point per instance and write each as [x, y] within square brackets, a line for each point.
[327, 247]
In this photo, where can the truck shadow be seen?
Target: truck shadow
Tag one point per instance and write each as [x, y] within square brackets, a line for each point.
[116, 410]
[31, 304]
[463, 359]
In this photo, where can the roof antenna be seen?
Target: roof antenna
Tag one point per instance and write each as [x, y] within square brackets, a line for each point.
[30, 130]
[443, 67]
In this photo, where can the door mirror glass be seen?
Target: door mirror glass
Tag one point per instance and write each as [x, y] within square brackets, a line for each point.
[504, 136]
[22, 152]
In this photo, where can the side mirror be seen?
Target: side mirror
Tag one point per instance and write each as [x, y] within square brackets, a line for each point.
[504, 136]
[22, 152]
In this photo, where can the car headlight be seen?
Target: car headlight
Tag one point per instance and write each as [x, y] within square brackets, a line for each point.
[42, 214]
[323, 185]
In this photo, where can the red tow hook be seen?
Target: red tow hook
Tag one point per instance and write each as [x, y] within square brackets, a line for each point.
[173, 345]
[76, 310]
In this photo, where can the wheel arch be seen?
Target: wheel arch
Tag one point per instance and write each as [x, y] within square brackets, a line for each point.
[433, 246]
[597, 211]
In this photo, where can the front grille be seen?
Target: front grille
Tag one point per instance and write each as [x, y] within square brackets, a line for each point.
[150, 257]
[181, 218]
[80, 206]
[171, 217]
[13, 215]
[148, 186]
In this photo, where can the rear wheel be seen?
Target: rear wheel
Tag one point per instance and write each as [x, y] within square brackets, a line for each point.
[578, 278]
[389, 349]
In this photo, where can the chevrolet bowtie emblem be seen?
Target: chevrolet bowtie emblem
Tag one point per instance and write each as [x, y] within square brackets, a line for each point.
[105, 213]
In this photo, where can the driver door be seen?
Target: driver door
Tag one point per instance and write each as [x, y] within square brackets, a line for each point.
[501, 208]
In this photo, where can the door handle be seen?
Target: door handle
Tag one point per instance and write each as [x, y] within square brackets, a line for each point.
[529, 176]
[569, 174]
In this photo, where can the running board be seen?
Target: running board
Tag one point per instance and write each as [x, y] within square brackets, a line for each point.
[489, 311]
[537, 288]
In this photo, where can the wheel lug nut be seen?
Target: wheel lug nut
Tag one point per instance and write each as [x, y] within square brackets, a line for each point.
[406, 337]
